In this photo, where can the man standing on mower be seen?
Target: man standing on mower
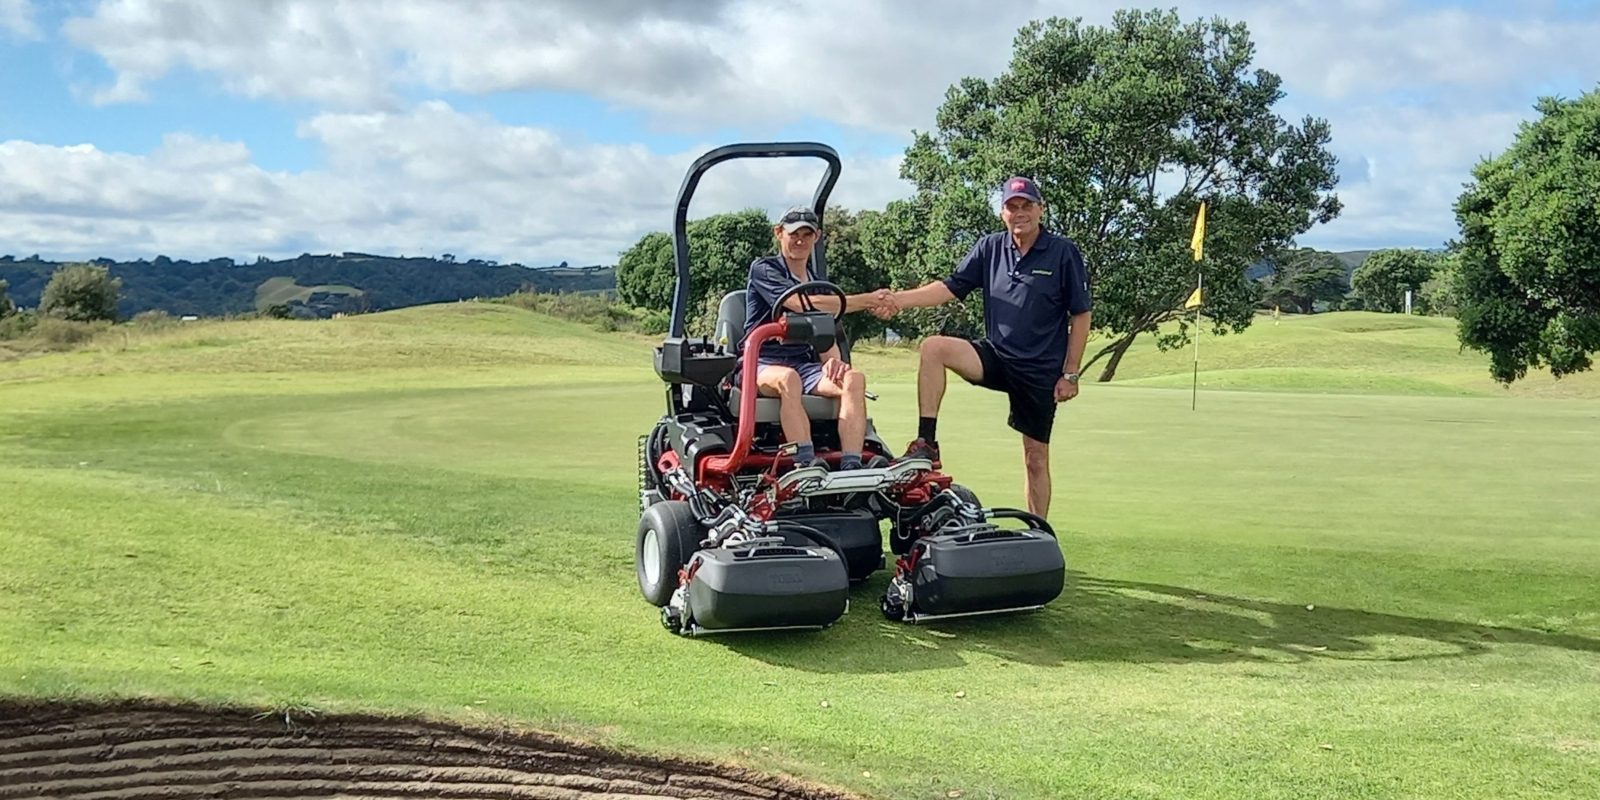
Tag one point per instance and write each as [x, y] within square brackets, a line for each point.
[789, 370]
[1036, 309]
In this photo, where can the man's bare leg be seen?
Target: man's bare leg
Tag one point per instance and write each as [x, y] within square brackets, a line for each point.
[852, 408]
[784, 384]
[1036, 483]
[940, 353]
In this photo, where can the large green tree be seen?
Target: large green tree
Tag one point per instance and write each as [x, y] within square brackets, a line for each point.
[1438, 295]
[7, 308]
[1384, 278]
[81, 292]
[923, 237]
[1303, 277]
[1127, 129]
[721, 248]
[1529, 279]
[850, 266]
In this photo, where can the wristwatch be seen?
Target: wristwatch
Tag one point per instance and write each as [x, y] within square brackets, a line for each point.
[1072, 377]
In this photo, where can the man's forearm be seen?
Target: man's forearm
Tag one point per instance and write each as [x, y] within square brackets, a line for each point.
[830, 303]
[1077, 340]
[821, 302]
[931, 294]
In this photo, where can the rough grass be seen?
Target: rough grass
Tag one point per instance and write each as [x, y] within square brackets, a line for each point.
[1283, 594]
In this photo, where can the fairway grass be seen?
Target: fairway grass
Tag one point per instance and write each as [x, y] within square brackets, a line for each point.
[1356, 582]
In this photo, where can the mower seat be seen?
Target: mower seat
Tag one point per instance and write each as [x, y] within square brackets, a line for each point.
[729, 331]
[767, 408]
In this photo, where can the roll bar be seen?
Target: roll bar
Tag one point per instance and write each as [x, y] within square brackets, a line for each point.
[680, 220]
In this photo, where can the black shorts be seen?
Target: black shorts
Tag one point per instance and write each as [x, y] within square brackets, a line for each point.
[1033, 407]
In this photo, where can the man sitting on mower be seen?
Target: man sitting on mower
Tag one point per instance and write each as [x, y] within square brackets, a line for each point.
[789, 370]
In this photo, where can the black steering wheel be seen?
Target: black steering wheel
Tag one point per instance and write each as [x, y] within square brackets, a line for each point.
[827, 287]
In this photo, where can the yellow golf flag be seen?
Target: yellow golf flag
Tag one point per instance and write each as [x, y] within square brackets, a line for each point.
[1198, 243]
[1194, 299]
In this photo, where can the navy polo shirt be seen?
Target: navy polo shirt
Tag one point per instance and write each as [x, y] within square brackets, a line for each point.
[1027, 299]
[769, 278]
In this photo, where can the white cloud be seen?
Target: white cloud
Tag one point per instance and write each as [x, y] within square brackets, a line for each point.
[426, 181]
[283, 50]
[1415, 93]
[359, 55]
[879, 66]
[1414, 163]
[1363, 50]
[16, 19]
[126, 89]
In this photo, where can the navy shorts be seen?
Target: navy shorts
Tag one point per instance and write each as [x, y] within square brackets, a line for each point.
[810, 372]
[1033, 405]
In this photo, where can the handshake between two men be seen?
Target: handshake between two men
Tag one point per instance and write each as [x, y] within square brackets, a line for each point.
[882, 303]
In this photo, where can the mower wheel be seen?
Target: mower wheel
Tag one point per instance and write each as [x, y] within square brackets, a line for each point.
[965, 494]
[668, 535]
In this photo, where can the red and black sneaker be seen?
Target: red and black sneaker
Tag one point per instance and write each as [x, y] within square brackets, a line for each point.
[922, 448]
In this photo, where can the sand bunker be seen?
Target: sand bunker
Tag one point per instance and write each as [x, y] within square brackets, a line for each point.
[168, 753]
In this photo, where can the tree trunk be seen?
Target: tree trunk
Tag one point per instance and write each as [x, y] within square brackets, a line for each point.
[1117, 351]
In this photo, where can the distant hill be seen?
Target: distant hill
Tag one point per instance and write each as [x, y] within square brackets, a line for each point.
[1353, 258]
[323, 285]
[309, 285]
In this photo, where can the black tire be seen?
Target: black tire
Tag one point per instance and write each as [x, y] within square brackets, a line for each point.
[965, 494]
[668, 535]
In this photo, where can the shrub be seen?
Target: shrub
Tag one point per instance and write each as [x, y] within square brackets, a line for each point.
[18, 325]
[82, 293]
[61, 334]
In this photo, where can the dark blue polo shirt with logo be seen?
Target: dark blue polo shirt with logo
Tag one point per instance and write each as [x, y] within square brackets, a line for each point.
[1027, 299]
[769, 278]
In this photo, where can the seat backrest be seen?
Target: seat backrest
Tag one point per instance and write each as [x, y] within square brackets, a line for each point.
[729, 331]
[730, 321]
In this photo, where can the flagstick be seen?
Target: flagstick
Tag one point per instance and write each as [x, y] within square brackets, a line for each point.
[1194, 396]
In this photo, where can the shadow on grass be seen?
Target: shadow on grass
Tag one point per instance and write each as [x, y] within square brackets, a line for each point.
[1100, 619]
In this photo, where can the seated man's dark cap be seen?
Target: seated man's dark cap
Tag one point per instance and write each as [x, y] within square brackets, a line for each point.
[1020, 187]
[800, 217]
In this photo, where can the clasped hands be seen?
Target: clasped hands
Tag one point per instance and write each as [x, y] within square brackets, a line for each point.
[882, 303]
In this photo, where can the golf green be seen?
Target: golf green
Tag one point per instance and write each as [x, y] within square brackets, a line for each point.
[1317, 590]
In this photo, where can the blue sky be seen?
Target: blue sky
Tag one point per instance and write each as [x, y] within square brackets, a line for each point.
[558, 131]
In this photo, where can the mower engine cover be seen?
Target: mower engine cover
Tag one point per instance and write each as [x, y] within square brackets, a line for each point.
[767, 586]
[985, 568]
